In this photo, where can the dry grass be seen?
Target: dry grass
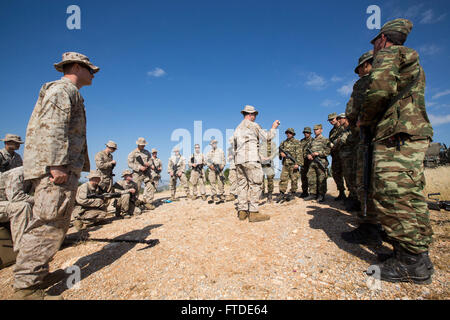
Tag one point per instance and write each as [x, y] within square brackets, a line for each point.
[438, 180]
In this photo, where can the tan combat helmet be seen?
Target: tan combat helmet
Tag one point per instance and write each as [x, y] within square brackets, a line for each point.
[71, 57]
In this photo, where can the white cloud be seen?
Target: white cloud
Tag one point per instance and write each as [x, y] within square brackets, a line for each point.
[441, 94]
[429, 49]
[428, 17]
[346, 89]
[315, 81]
[430, 104]
[330, 103]
[416, 12]
[157, 72]
[336, 79]
[438, 120]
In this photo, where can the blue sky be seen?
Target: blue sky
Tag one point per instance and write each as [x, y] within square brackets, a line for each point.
[166, 64]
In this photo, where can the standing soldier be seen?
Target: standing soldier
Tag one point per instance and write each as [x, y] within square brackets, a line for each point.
[292, 158]
[304, 144]
[249, 172]
[232, 177]
[54, 156]
[317, 174]
[336, 163]
[156, 167]
[395, 105]
[216, 162]
[139, 162]
[105, 166]
[9, 159]
[128, 203]
[176, 169]
[267, 152]
[197, 174]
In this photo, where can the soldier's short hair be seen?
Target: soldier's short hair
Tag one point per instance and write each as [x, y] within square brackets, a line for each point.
[395, 37]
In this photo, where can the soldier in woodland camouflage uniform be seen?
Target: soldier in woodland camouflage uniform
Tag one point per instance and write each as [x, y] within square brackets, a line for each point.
[9, 159]
[128, 203]
[267, 152]
[336, 163]
[105, 165]
[249, 172]
[197, 178]
[319, 149]
[16, 203]
[216, 157]
[232, 174]
[139, 162]
[54, 156]
[176, 169]
[89, 211]
[395, 105]
[290, 171]
[304, 144]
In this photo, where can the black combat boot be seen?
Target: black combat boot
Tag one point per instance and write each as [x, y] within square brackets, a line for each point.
[321, 198]
[382, 257]
[366, 233]
[269, 197]
[280, 197]
[311, 196]
[341, 196]
[351, 204]
[304, 194]
[405, 266]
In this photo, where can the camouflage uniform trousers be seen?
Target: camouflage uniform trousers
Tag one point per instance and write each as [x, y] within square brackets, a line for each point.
[149, 186]
[269, 174]
[317, 178]
[249, 182]
[288, 173]
[232, 177]
[173, 184]
[90, 216]
[19, 215]
[336, 170]
[126, 206]
[197, 180]
[348, 161]
[217, 187]
[53, 205]
[398, 181]
[304, 175]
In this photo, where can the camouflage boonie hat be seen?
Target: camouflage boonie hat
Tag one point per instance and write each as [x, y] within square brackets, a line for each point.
[111, 144]
[126, 172]
[93, 174]
[341, 115]
[400, 25]
[307, 130]
[331, 116]
[291, 130]
[364, 58]
[249, 109]
[317, 126]
[70, 57]
[154, 150]
[13, 138]
[176, 149]
[141, 142]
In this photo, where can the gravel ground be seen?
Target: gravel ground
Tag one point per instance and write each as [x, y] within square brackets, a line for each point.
[204, 252]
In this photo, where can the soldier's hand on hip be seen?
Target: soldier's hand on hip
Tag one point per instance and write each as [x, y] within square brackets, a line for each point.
[275, 124]
[58, 174]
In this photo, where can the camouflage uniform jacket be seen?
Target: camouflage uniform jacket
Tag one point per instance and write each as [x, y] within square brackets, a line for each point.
[292, 146]
[304, 144]
[133, 164]
[180, 162]
[199, 158]
[158, 166]
[13, 188]
[104, 164]
[8, 161]
[216, 156]
[321, 145]
[231, 157]
[347, 142]
[268, 153]
[392, 70]
[84, 191]
[123, 186]
[246, 141]
[334, 134]
[56, 132]
[353, 108]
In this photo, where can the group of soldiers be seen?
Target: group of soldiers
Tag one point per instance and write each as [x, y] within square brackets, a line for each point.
[385, 118]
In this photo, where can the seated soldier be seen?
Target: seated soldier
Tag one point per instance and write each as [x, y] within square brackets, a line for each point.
[128, 203]
[90, 208]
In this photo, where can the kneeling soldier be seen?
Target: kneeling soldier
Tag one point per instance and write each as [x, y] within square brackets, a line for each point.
[128, 203]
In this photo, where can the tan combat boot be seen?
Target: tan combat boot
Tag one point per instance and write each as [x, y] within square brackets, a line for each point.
[230, 197]
[149, 206]
[33, 293]
[242, 215]
[204, 197]
[79, 225]
[256, 217]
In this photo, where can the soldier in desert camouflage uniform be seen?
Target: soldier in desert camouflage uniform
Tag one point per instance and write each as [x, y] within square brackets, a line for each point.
[105, 165]
[55, 153]
[156, 167]
[216, 158]
[9, 159]
[267, 152]
[319, 149]
[197, 178]
[176, 169]
[249, 172]
[395, 106]
[232, 175]
[16, 203]
[128, 203]
[336, 163]
[139, 162]
[290, 171]
[304, 144]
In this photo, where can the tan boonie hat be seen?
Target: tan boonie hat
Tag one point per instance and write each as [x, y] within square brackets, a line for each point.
[70, 57]
[154, 150]
[364, 58]
[93, 174]
[400, 25]
[214, 141]
[176, 149]
[141, 142]
[331, 116]
[342, 115]
[13, 138]
[249, 109]
[127, 172]
[307, 130]
[317, 126]
[111, 144]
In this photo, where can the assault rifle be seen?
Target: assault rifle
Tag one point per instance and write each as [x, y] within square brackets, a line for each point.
[198, 167]
[106, 195]
[141, 162]
[366, 138]
[316, 160]
[174, 169]
[289, 156]
[436, 204]
[219, 172]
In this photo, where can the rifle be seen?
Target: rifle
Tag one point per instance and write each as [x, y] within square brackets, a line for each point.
[436, 204]
[289, 156]
[219, 172]
[198, 167]
[71, 241]
[174, 169]
[316, 160]
[4, 164]
[366, 138]
[156, 170]
[106, 195]
[141, 162]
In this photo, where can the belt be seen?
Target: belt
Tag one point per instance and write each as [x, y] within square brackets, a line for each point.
[266, 165]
